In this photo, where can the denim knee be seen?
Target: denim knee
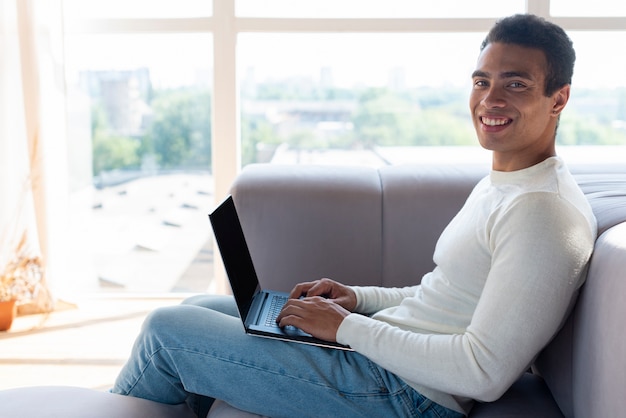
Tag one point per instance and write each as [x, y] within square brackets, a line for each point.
[167, 322]
[220, 303]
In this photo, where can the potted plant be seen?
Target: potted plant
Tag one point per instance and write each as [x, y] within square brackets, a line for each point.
[19, 281]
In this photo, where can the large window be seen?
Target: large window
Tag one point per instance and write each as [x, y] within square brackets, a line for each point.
[169, 99]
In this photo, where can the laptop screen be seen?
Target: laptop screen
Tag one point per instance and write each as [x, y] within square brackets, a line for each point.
[235, 254]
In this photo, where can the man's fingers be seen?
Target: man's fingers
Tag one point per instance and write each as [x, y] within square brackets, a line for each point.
[293, 313]
[290, 308]
[322, 287]
[301, 289]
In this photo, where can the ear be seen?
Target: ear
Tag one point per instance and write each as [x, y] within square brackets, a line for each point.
[561, 98]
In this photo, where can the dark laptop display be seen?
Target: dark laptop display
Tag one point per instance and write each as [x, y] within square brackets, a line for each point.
[257, 307]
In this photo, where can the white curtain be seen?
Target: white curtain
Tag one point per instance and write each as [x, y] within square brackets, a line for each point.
[33, 150]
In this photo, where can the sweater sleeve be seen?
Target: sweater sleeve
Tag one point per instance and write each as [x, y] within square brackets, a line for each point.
[371, 299]
[540, 248]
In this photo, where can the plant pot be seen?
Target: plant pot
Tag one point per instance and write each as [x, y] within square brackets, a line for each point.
[8, 309]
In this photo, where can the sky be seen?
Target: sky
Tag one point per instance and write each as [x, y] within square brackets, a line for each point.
[355, 59]
[427, 59]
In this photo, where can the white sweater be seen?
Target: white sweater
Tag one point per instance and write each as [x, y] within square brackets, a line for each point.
[508, 268]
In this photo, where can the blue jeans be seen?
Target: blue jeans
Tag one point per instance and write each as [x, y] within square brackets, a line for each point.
[198, 351]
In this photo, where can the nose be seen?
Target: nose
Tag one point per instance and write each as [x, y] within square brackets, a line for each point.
[493, 98]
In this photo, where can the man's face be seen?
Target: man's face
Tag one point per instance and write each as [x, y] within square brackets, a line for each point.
[511, 115]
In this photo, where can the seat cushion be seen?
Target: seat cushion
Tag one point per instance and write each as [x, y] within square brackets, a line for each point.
[528, 397]
[221, 409]
[74, 402]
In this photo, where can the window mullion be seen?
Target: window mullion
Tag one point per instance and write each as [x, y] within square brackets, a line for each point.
[538, 7]
[225, 119]
[225, 143]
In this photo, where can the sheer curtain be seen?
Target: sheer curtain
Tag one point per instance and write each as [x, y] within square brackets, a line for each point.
[33, 149]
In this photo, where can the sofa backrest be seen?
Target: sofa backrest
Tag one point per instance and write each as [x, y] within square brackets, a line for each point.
[361, 226]
[418, 203]
[307, 222]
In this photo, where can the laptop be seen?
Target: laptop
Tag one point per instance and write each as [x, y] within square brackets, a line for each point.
[257, 307]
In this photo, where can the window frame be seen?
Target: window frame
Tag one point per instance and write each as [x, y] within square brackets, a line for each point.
[225, 27]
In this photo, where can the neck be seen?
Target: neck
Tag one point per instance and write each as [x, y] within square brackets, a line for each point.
[501, 162]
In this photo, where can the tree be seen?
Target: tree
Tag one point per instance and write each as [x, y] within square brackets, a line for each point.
[110, 151]
[114, 152]
[383, 118]
[257, 139]
[439, 127]
[386, 118]
[180, 133]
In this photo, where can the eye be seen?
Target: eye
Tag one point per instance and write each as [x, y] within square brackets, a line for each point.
[480, 83]
[517, 85]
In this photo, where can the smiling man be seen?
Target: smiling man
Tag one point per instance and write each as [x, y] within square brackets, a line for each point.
[518, 96]
[508, 268]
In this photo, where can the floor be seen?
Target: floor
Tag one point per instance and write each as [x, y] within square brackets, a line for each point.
[80, 344]
[86, 341]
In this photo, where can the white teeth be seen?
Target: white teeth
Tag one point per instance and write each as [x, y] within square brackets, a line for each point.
[494, 122]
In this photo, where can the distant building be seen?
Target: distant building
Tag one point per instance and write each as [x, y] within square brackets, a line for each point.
[124, 95]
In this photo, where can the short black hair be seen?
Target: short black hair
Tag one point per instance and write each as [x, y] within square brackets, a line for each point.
[531, 31]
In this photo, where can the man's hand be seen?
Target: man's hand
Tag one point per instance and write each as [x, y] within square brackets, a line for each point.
[329, 289]
[315, 315]
[324, 305]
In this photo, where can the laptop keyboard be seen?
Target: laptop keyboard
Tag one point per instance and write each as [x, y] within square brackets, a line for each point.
[276, 304]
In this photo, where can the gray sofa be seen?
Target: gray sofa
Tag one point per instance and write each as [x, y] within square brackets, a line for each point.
[378, 227]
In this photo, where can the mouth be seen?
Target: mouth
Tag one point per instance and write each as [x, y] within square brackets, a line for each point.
[495, 121]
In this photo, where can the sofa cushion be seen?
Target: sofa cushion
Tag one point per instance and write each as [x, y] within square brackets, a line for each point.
[75, 402]
[221, 409]
[528, 397]
[430, 195]
[607, 195]
[326, 221]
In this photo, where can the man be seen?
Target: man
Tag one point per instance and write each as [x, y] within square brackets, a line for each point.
[508, 267]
